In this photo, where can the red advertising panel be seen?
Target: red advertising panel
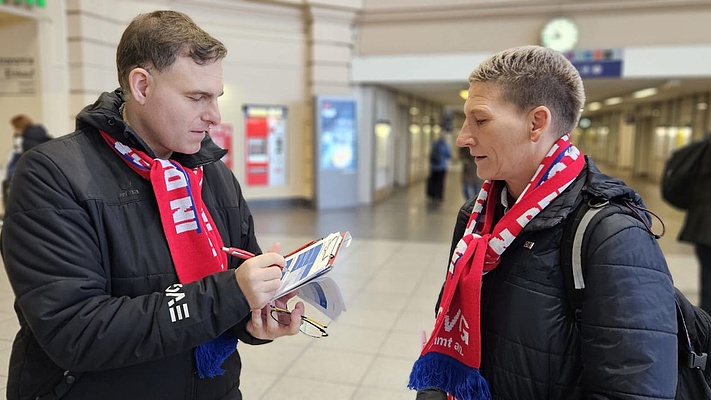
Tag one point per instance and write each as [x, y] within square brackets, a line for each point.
[265, 145]
[256, 159]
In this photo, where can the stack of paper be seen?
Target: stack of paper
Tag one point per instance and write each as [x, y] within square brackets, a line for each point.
[307, 265]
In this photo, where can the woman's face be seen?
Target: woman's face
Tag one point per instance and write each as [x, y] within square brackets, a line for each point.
[497, 134]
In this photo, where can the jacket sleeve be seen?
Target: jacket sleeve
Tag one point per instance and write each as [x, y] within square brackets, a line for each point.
[628, 326]
[55, 256]
[242, 218]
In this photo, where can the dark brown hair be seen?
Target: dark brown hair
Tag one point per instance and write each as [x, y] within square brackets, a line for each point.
[155, 40]
[20, 122]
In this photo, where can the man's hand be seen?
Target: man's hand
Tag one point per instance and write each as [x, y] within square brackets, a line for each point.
[263, 326]
[260, 277]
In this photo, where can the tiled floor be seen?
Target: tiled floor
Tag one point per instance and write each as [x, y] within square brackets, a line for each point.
[389, 276]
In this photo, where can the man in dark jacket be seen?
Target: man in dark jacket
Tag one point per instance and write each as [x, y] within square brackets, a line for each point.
[697, 225]
[504, 329]
[112, 239]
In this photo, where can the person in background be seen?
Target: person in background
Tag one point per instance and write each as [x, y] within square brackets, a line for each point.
[697, 226]
[26, 135]
[32, 134]
[439, 162]
[112, 238]
[470, 180]
[504, 329]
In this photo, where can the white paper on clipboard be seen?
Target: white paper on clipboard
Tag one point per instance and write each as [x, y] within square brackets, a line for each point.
[311, 261]
[324, 295]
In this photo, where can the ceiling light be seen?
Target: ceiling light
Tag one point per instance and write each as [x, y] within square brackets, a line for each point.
[702, 106]
[414, 110]
[645, 93]
[464, 94]
[613, 100]
[594, 106]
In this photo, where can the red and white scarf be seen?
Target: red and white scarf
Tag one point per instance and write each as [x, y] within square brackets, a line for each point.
[450, 360]
[193, 240]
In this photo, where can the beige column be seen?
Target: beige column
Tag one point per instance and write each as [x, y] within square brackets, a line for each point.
[330, 43]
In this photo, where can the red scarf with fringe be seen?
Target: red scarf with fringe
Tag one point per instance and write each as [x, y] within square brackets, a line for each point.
[451, 358]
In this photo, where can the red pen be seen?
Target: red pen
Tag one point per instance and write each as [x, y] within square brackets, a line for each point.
[239, 253]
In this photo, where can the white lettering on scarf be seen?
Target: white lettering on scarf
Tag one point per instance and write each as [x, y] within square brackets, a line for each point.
[463, 328]
[127, 151]
[184, 216]
[174, 178]
[500, 243]
[449, 325]
[458, 252]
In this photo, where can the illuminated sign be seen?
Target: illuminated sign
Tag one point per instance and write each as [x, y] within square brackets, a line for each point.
[31, 3]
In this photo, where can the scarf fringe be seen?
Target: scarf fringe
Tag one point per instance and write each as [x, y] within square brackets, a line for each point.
[436, 370]
[209, 356]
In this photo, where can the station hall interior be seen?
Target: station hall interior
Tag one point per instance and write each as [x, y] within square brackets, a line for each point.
[392, 72]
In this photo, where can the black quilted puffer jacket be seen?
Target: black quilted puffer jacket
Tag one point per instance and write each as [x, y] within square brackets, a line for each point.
[94, 280]
[625, 345]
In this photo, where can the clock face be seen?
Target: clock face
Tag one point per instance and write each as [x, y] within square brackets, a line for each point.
[560, 34]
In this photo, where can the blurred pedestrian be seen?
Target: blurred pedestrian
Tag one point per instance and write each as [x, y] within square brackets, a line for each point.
[26, 135]
[439, 163]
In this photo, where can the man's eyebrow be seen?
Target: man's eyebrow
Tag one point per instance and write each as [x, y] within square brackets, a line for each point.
[203, 93]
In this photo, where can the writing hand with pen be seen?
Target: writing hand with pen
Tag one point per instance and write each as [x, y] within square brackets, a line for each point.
[259, 278]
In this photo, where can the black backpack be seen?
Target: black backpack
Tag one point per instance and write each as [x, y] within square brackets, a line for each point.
[694, 324]
[680, 173]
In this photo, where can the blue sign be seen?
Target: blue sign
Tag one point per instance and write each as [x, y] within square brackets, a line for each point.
[599, 68]
[337, 129]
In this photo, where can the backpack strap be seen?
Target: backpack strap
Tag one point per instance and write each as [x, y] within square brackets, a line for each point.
[686, 335]
[571, 253]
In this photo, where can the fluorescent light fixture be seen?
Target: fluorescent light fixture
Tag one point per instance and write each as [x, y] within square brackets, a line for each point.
[594, 106]
[613, 100]
[464, 94]
[702, 106]
[414, 110]
[645, 93]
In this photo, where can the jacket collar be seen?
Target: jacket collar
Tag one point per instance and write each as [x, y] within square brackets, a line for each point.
[591, 184]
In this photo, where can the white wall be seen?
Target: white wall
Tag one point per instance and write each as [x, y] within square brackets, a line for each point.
[452, 26]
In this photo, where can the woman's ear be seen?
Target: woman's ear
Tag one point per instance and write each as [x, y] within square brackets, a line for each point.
[540, 122]
[139, 79]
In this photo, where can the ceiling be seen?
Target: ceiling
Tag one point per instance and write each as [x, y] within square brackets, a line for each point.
[595, 90]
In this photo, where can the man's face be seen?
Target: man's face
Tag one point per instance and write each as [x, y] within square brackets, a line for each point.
[496, 133]
[180, 106]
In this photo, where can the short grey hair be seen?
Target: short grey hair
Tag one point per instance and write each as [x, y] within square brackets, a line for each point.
[531, 76]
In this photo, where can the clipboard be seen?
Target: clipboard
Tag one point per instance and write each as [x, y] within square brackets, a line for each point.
[311, 261]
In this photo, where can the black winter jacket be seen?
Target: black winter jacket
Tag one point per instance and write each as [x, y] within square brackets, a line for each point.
[625, 345]
[697, 224]
[89, 265]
